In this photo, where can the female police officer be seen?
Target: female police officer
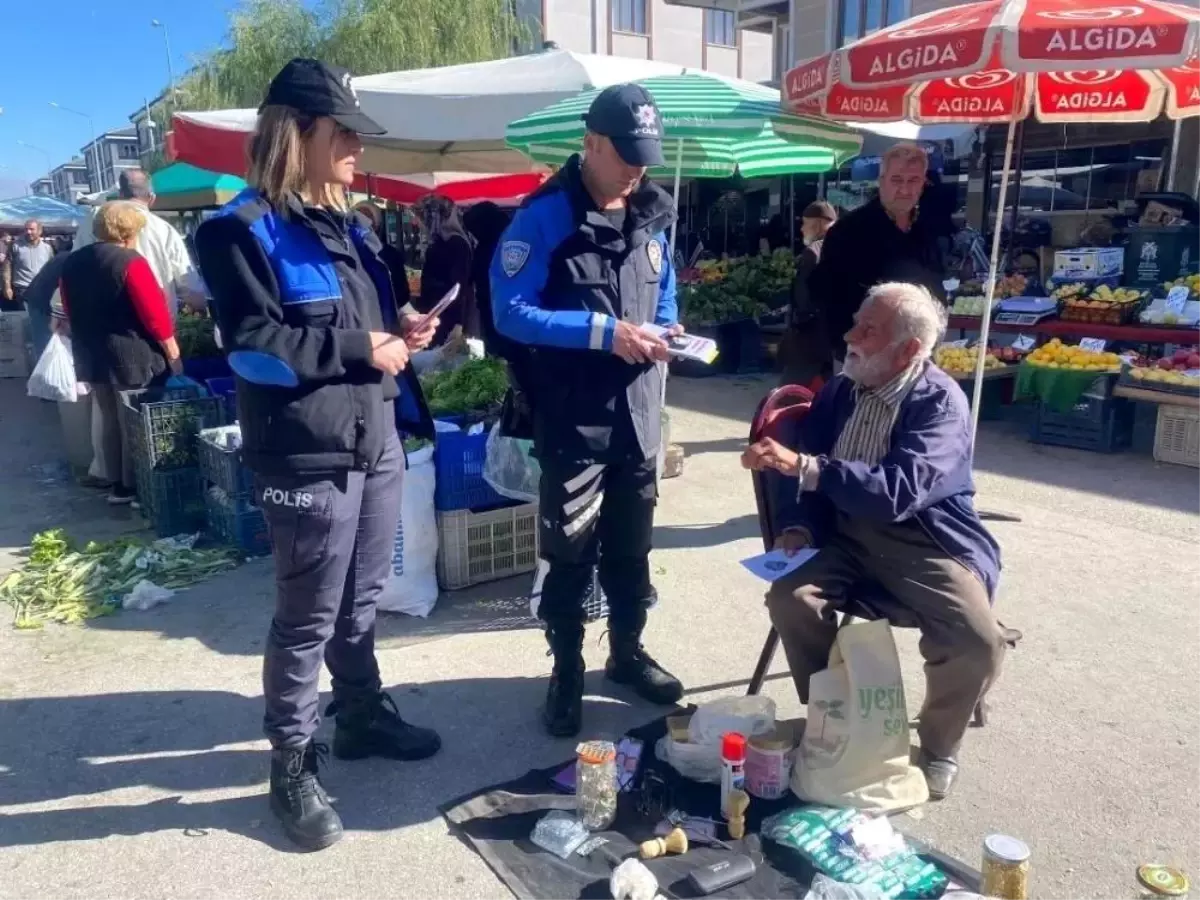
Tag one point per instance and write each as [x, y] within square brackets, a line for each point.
[305, 307]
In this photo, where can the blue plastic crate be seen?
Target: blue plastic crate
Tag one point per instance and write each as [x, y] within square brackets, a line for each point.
[458, 459]
[223, 467]
[1100, 424]
[241, 527]
[225, 388]
[172, 500]
[204, 369]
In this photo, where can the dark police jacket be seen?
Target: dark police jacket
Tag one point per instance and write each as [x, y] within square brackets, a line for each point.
[561, 278]
[295, 298]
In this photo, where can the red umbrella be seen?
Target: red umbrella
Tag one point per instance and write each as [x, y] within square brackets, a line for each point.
[999, 60]
[223, 149]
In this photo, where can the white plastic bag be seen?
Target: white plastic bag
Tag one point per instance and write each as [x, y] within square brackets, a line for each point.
[509, 467]
[699, 758]
[412, 587]
[53, 377]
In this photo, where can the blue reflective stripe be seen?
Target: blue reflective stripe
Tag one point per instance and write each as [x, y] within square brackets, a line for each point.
[258, 367]
[667, 310]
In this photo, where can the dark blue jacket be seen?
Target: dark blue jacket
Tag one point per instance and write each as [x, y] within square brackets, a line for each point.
[296, 297]
[925, 476]
[561, 278]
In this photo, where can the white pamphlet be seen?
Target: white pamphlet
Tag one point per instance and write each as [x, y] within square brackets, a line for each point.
[686, 346]
[774, 565]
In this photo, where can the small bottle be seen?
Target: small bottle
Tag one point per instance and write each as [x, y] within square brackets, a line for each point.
[1005, 870]
[1157, 881]
[733, 767]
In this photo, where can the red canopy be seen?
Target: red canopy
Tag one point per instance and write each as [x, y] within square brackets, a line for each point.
[224, 150]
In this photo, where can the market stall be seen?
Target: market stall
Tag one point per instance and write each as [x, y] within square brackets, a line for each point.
[1011, 59]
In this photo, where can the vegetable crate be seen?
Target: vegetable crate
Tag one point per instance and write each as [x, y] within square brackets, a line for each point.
[1177, 436]
[244, 527]
[458, 460]
[1104, 425]
[222, 466]
[225, 387]
[474, 547]
[161, 424]
[172, 501]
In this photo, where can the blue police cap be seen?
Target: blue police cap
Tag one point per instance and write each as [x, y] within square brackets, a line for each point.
[627, 115]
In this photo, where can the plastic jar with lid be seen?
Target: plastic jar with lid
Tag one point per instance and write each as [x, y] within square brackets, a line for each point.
[596, 784]
[1159, 881]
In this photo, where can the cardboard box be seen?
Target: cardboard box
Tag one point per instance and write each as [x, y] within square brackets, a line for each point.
[1161, 214]
[14, 331]
[1089, 262]
[14, 363]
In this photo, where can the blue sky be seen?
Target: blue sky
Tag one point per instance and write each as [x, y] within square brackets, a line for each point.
[104, 59]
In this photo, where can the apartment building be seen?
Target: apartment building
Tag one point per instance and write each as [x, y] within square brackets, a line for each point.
[111, 153]
[43, 187]
[70, 180]
[708, 39]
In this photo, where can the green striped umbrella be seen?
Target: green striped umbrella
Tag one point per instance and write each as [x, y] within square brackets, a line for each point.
[712, 127]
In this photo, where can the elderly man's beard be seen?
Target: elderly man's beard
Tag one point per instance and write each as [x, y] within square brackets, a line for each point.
[869, 371]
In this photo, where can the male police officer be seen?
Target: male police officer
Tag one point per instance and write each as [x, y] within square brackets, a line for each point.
[580, 270]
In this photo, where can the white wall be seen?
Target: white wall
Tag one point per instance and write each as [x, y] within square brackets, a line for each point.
[569, 24]
[678, 34]
[758, 56]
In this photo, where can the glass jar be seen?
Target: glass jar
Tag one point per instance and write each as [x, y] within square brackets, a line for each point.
[1005, 869]
[596, 784]
[1159, 881]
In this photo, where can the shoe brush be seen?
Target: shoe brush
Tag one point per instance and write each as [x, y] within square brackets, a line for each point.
[739, 802]
[675, 842]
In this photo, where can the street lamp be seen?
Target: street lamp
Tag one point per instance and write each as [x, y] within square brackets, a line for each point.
[95, 154]
[155, 23]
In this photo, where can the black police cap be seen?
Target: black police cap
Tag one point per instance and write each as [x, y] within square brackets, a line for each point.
[317, 89]
[628, 116]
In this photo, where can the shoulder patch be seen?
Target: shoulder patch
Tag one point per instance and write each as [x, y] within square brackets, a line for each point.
[513, 255]
[654, 251]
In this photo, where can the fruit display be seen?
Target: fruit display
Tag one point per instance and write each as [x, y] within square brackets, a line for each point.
[1071, 291]
[1111, 306]
[734, 289]
[961, 361]
[1180, 370]
[1191, 282]
[968, 306]
[1011, 286]
[1057, 355]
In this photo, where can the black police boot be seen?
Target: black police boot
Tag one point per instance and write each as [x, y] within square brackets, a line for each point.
[630, 664]
[299, 800]
[563, 715]
[369, 724]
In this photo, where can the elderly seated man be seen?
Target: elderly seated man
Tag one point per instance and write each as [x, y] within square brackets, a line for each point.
[880, 481]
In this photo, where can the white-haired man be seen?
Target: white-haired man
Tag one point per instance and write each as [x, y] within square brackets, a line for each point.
[879, 478]
[885, 239]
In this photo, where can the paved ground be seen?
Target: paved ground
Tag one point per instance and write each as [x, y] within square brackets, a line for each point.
[131, 764]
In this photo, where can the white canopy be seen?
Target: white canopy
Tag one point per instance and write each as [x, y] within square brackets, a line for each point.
[452, 118]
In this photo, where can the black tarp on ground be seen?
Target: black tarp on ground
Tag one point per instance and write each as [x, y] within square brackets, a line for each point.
[497, 821]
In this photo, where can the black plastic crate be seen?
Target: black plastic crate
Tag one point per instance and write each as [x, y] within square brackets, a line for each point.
[161, 424]
[172, 501]
[1104, 425]
[222, 466]
[238, 526]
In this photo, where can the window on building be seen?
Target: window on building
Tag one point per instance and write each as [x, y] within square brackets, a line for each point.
[127, 150]
[858, 18]
[629, 16]
[79, 177]
[720, 27]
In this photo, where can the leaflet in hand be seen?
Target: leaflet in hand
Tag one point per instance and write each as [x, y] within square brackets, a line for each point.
[686, 346]
[774, 565]
[449, 297]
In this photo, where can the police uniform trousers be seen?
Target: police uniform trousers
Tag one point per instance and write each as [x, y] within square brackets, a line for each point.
[597, 517]
[332, 537]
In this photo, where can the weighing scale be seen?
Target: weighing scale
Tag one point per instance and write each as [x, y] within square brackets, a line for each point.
[1025, 311]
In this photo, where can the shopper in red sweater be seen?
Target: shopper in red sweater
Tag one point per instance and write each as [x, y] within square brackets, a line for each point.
[122, 336]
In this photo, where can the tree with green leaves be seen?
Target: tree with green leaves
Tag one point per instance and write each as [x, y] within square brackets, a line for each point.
[365, 36]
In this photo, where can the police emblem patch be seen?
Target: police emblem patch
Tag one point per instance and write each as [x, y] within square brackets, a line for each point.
[654, 252]
[512, 256]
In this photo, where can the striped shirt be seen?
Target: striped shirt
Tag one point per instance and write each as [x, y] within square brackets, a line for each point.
[867, 435]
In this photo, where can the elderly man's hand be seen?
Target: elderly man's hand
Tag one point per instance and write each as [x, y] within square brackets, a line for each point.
[770, 454]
